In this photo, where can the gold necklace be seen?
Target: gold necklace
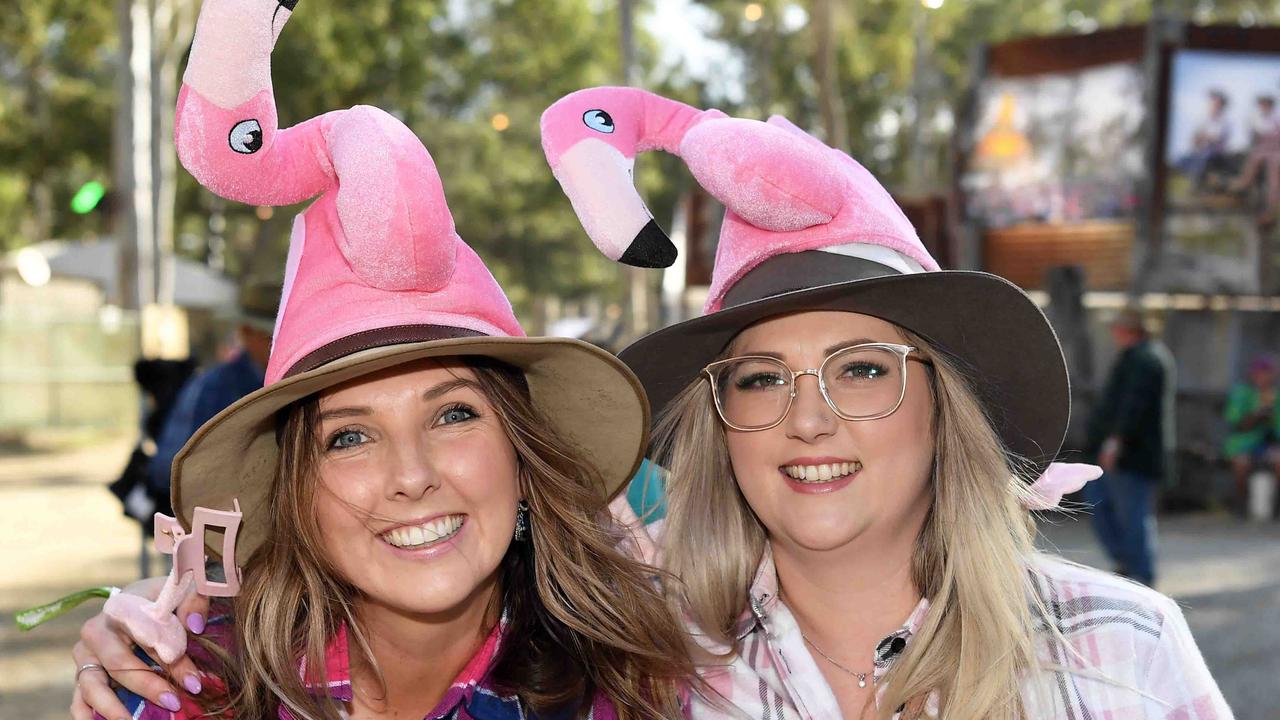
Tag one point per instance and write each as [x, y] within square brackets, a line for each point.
[862, 677]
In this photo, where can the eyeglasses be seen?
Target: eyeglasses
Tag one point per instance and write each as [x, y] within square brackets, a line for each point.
[862, 382]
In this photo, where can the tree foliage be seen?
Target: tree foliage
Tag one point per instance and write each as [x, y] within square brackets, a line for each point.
[878, 43]
[56, 100]
[448, 67]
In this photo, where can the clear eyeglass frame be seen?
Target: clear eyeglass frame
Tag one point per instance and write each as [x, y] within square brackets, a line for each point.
[903, 352]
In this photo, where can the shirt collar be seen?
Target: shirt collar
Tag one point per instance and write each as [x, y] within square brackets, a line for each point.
[763, 602]
[762, 596]
[337, 669]
[471, 679]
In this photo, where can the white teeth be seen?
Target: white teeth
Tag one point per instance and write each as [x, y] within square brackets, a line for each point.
[821, 473]
[442, 528]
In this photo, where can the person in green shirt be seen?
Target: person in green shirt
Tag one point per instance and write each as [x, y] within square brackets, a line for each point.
[1253, 415]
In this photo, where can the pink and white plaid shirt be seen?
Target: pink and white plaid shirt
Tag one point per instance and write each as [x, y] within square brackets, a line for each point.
[1141, 659]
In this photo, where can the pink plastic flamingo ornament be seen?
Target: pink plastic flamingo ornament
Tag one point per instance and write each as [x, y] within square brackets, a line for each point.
[591, 138]
[380, 222]
[780, 186]
[227, 137]
[153, 623]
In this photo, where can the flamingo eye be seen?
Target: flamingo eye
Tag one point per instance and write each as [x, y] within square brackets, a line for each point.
[246, 137]
[598, 120]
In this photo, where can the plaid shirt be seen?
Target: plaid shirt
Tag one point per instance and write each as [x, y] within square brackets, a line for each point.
[470, 697]
[1141, 661]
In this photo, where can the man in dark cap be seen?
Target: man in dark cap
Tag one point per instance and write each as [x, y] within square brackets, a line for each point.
[212, 391]
[1131, 435]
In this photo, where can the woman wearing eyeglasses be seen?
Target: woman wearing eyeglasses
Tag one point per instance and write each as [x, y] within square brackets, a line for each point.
[852, 436]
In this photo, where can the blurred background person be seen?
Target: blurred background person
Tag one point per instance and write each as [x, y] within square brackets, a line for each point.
[1209, 144]
[1253, 417]
[1131, 435]
[215, 389]
[160, 382]
[1264, 155]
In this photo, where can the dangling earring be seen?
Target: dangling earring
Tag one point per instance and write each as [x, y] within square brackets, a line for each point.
[522, 521]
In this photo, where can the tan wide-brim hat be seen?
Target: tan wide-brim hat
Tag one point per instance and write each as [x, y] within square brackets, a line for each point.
[587, 395]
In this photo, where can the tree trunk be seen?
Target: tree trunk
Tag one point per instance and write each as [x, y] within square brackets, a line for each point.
[173, 22]
[916, 172]
[134, 231]
[830, 99]
[638, 281]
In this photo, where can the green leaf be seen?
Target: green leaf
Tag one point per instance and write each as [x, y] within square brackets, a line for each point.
[31, 617]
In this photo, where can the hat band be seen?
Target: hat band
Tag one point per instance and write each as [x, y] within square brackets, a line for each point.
[377, 337]
[790, 272]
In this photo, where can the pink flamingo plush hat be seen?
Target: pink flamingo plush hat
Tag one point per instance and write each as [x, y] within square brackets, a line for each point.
[805, 228]
[376, 275]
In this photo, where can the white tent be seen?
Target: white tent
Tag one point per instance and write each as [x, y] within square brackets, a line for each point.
[194, 285]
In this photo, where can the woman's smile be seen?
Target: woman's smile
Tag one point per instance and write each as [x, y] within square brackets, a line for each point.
[425, 534]
[819, 475]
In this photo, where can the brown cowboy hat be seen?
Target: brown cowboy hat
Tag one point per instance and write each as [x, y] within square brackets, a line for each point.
[990, 327]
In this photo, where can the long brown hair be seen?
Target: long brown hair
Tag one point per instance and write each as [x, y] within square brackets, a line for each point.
[582, 617]
[972, 560]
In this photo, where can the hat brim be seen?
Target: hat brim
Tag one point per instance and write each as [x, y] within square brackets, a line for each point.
[1001, 339]
[590, 397]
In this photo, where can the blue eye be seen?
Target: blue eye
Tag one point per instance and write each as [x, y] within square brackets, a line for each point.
[457, 414]
[598, 120]
[344, 439]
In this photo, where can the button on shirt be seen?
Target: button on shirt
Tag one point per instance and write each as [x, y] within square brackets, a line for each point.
[1139, 658]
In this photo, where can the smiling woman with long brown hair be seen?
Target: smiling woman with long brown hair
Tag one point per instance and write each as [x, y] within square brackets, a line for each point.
[422, 486]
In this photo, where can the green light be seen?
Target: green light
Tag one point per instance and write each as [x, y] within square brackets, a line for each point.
[87, 197]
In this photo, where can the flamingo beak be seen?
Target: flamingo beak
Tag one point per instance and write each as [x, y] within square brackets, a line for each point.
[599, 181]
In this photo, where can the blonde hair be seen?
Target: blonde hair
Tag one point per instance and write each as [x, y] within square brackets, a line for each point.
[581, 617]
[972, 558]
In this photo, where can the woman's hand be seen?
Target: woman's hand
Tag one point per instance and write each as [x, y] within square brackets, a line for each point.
[106, 645]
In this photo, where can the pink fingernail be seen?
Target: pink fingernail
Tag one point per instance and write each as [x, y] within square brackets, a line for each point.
[170, 702]
[195, 623]
[192, 684]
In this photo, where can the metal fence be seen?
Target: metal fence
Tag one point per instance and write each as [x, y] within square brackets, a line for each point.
[67, 373]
